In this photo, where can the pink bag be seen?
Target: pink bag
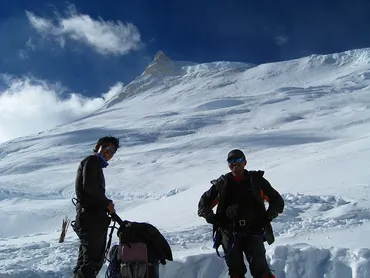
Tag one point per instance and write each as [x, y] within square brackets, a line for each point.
[134, 260]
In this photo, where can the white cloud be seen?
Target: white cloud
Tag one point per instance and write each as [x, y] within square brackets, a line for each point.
[29, 106]
[23, 53]
[42, 25]
[29, 44]
[114, 90]
[106, 37]
[281, 40]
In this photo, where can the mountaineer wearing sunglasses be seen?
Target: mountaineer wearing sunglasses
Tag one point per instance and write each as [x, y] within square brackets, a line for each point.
[241, 223]
[92, 208]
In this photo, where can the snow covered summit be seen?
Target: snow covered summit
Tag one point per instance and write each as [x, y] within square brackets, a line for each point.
[160, 65]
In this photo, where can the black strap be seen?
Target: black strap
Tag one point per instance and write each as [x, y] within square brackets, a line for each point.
[217, 245]
[109, 242]
[218, 253]
[74, 202]
[115, 218]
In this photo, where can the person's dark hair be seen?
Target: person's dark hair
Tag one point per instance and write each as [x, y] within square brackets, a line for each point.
[236, 153]
[107, 140]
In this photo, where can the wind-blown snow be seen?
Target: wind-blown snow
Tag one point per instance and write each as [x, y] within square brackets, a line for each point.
[305, 122]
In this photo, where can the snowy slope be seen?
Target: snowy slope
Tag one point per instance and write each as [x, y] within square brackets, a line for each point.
[305, 122]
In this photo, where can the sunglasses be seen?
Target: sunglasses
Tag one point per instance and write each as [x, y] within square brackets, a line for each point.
[109, 149]
[233, 160]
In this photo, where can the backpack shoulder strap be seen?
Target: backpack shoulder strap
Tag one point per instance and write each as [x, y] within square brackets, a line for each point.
[257, 184]
[221, 184]
[258, 173]
[221, 181]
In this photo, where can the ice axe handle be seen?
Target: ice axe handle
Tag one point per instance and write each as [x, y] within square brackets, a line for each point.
[116, 218]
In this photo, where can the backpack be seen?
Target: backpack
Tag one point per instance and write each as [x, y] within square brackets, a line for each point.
[134, 260]
[140, 250]
[130, 261]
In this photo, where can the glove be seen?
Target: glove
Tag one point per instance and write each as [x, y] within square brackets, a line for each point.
[232, 212]
[214, 219]
[259, 224]
[211, 218]
[271, 215]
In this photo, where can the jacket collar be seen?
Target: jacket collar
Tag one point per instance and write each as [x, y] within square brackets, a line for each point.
[103, 162]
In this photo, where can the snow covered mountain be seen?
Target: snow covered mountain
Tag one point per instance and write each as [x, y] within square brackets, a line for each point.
[305, 122]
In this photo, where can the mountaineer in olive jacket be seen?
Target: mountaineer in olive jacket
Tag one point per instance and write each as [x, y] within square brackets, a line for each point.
[241, 220]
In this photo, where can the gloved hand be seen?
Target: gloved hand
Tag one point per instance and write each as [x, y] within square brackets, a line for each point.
[214, 219]
[271, 214]
[211, 218]
[259, 223]
[232, 212]
[110, 208]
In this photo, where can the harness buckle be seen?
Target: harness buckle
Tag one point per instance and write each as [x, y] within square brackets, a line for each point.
[75, 201]
[242, 223]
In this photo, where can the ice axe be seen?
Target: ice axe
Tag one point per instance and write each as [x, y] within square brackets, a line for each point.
[115, 218]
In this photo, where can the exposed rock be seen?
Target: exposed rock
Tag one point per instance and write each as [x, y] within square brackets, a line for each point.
[160, 65]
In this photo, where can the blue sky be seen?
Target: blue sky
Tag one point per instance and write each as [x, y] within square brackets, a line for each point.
[86, 47]
[198, 31]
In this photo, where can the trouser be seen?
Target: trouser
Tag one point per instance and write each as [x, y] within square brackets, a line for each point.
[253, 249]
[92, 233]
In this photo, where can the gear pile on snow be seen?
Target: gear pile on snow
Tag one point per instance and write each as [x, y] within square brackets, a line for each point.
[140, 250]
